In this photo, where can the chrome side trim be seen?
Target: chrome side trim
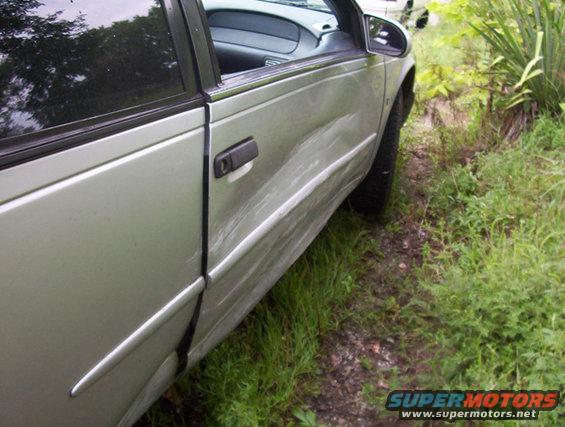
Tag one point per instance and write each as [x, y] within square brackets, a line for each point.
[264, 76]
[263, 230]
[138, 337]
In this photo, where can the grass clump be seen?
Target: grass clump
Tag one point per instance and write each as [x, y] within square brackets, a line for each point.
[513, 58]
[497, 284]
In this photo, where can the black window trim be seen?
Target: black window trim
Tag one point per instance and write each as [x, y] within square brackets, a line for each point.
[208, 66]
[182, 45]
[23, 148]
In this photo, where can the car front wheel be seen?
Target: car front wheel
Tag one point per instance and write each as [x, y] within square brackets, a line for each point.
[371, 195]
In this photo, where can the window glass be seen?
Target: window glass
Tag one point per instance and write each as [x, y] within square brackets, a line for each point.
[67, 60]
[253, 34]
[306, 4]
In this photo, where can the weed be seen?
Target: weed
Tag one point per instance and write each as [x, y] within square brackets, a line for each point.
[306, 418]
[497, 285]
[366, 363]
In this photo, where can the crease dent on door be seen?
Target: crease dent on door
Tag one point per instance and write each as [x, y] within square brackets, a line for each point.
[316, 134]
[286, 208]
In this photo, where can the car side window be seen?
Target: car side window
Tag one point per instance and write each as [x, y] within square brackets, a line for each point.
[62, 61]
[252, 34]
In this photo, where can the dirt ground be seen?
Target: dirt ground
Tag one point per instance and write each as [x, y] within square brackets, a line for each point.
[355, 358]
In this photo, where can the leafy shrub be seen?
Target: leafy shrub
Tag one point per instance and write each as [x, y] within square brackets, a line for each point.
[526, 36]
[449, 56]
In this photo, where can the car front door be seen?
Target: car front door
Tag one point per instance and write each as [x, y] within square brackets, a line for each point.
[304, 133]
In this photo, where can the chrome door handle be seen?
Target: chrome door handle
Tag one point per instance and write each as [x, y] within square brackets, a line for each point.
[235, 157]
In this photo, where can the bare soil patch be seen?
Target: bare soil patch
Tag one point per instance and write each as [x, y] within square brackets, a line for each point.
[361, 362]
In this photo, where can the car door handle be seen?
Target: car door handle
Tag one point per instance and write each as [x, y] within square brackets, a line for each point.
[235, 157]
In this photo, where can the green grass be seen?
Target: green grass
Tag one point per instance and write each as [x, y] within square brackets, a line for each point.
[497, 284]
[486, 310]
[254, 376]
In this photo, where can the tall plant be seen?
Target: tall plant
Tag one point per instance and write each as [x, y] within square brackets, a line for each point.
[528, 39]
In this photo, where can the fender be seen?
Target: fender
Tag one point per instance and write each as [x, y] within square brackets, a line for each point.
[399, 73]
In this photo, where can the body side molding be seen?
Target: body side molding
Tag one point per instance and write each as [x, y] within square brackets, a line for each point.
[138, 337]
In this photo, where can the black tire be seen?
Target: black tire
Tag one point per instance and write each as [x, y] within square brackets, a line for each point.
[371, 195]
[423, 20]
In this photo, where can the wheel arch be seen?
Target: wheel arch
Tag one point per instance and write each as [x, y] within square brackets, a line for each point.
[408, 94]
[401, 75]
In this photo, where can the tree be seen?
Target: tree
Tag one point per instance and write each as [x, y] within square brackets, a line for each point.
[54, 70]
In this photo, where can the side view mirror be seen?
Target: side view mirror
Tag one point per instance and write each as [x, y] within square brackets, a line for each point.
[386, 37]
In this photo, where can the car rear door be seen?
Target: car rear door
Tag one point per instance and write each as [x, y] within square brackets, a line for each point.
[101, 147]
[314, 123]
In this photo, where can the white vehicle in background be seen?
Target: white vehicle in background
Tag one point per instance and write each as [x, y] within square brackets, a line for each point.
[413, 12]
